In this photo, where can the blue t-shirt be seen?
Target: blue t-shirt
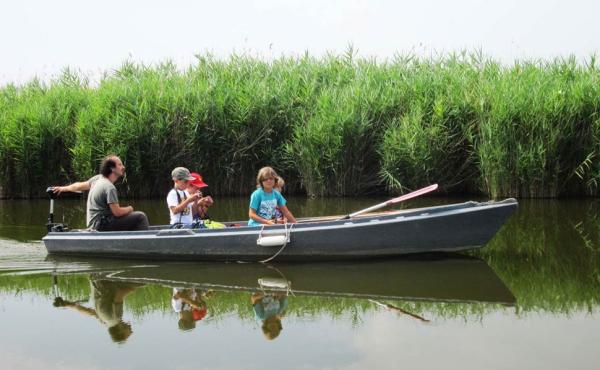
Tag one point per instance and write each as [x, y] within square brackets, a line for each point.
[269, 306]
[265, 204]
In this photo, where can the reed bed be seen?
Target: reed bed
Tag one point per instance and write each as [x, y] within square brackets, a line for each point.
[332, 126]
[37, 133]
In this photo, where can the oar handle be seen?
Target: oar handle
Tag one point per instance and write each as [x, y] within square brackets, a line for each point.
[404, 197]
[367, 210]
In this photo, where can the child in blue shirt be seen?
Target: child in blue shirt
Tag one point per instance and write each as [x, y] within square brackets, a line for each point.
[265, 200]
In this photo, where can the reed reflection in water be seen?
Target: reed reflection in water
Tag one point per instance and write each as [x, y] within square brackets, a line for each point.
[195, 290]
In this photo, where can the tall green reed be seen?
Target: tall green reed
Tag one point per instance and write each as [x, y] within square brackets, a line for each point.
[335, 148]
[336, 125]
[538, 130]
[139, 113]
[37, 124]
[430, 139]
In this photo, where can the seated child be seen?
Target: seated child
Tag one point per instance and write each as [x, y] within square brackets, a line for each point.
[190, 306]
[265, 199]
[179, 200]
[200, 206]
[279, 187]
[270, 308]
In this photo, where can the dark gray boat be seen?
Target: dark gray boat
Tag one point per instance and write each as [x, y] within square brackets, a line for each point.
[448, 228]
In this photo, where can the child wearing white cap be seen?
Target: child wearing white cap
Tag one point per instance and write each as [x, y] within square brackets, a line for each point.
[179, 200]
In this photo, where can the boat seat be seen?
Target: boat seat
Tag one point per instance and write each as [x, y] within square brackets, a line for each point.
[175, 232]
[83, 230]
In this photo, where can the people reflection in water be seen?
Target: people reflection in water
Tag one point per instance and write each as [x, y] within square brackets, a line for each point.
[108, 297]
[190, 305]
[270, 308]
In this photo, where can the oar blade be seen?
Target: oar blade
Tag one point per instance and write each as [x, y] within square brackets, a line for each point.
[413, 194]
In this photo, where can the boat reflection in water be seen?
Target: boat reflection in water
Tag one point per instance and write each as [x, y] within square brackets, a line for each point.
[270, 291]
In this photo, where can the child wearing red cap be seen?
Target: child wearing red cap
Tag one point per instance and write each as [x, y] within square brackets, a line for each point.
[181, 202]
[190, 306]
[200, 206]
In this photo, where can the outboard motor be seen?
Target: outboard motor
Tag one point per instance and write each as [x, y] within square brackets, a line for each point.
[52, 226]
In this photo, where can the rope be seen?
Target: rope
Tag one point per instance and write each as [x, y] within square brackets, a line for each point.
[285, 243]
[289, 285]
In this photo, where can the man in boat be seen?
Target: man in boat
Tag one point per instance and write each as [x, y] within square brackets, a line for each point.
[108, 297]
[103, 210]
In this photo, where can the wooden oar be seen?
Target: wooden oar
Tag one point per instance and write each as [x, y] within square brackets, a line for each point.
[399, 199]
[398, 309]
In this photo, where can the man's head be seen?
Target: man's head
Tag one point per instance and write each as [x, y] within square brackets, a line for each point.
[112, 165]
[120, 332]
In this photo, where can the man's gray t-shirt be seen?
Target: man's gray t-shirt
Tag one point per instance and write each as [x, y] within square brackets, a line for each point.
[102, 193]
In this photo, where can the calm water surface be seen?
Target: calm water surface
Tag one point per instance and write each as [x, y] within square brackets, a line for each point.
[529, 300]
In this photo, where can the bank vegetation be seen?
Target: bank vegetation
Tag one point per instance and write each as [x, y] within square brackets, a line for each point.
[332, 126]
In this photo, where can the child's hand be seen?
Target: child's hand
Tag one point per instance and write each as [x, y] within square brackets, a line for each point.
[206, 201]
[194, 197]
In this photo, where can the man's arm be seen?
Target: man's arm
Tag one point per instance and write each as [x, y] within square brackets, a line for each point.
[119, 211]
[59, 302]
[74, 187]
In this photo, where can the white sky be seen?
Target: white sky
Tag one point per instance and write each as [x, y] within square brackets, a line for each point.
[40, 37]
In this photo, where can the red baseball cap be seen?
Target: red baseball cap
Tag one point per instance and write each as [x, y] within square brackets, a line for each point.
[197, 181]
[199, 314]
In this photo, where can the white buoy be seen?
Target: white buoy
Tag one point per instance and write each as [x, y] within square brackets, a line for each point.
[274, 283]
[272, 241]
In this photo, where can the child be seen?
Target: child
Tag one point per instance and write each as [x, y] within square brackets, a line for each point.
[190, 306]
[279, 187]
[200, 207]
[270, 308]
[179, 200]
[266, 199]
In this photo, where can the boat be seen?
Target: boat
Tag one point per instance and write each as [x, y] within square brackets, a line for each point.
[446, 228]
[435, 277]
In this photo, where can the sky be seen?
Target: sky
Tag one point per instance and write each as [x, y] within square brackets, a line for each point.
[39, 38]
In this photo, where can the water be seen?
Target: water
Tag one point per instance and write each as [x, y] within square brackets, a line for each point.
[529, 299]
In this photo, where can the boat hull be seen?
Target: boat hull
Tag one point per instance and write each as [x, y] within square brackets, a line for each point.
[449, 228]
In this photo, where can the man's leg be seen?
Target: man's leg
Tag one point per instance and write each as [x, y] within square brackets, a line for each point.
[134, 221]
